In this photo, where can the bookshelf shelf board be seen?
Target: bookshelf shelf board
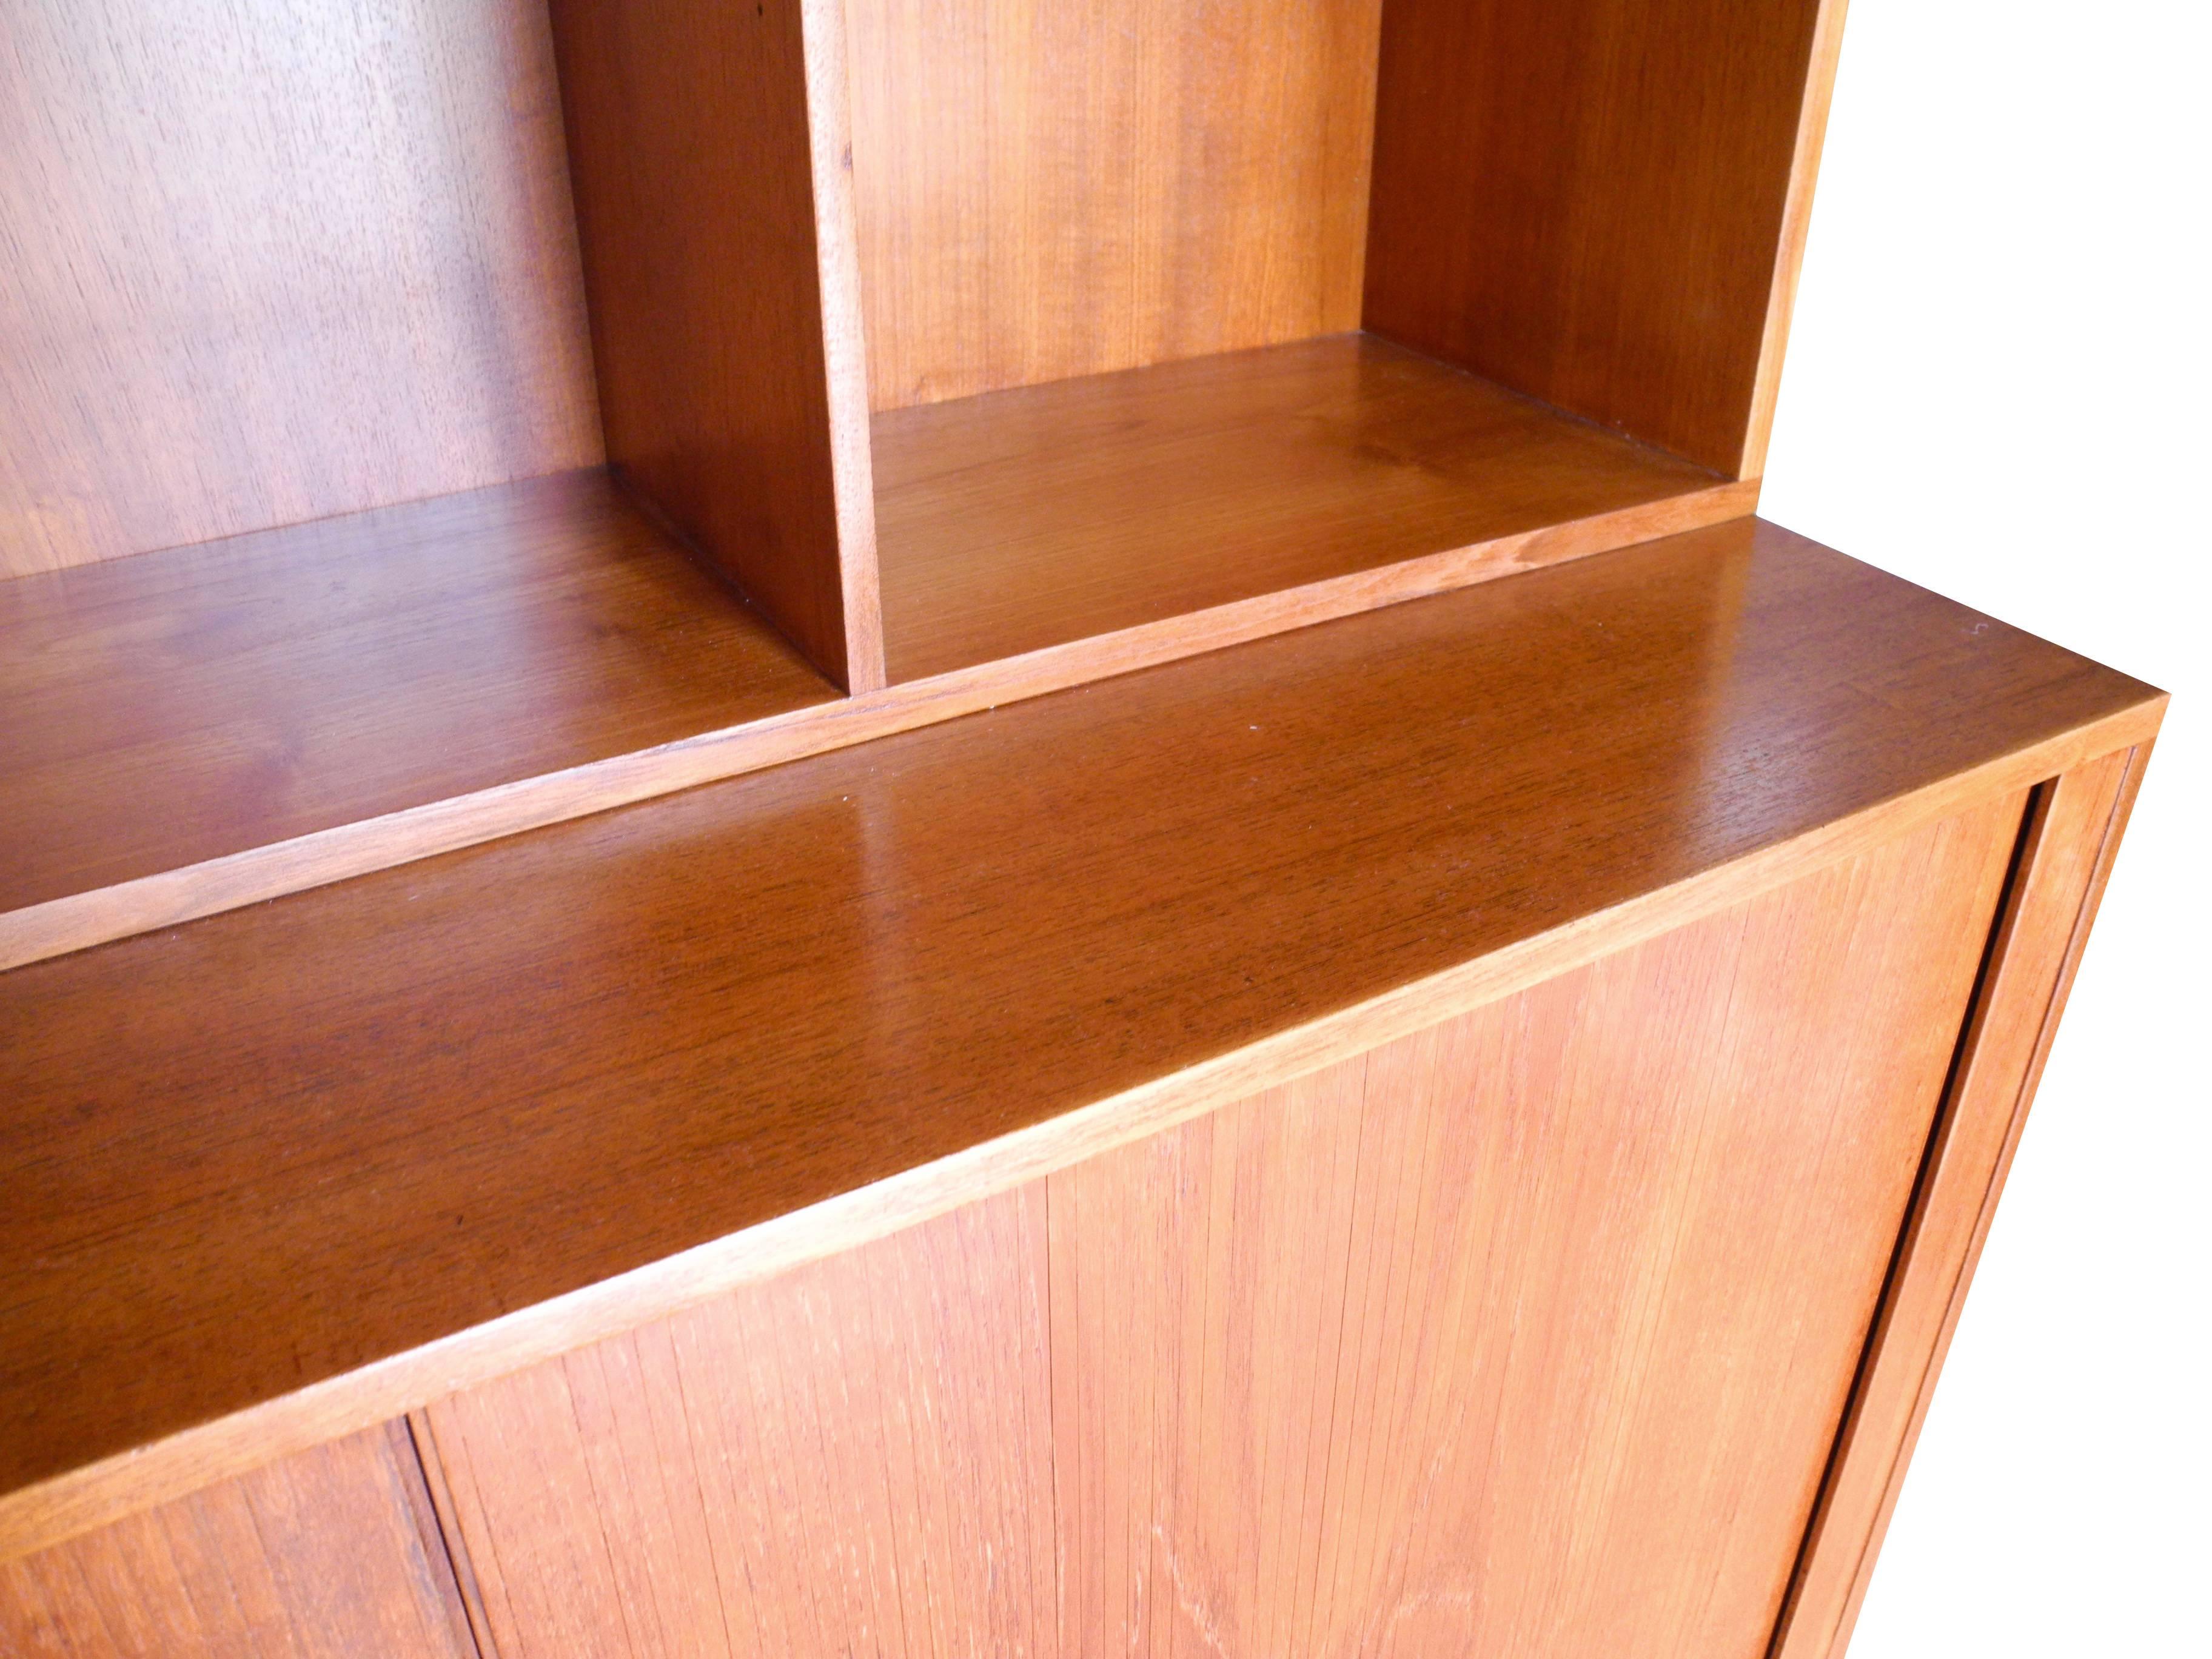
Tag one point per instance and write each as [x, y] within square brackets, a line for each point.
[1015, 521]
[173, 707]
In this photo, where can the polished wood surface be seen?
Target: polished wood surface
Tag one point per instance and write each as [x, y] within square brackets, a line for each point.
[293, 734]
[1040, 538]
[1587, 201]
[186, 706]
[1526, 1334]
[259, 266]
[1046, 191]
[855, 1457]
[448, 1093]
[1450, 1347]
[781, 713]
[331, 1554]
[2065, 854]
[715, 218]
[1024, 518]
[1796, 221]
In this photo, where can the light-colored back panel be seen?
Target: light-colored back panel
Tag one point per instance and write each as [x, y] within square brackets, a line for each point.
[1051, 189]
[264, 261]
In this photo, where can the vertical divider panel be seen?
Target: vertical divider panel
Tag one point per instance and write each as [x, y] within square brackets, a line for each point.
[1600, 203]
[710, 154]
[1796, 221]
[844, 338]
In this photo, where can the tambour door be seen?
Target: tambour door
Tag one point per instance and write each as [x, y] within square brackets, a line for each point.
[1528, 1334]
[330, 1553]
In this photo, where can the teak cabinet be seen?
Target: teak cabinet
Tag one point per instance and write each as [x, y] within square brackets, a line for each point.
[776, 877]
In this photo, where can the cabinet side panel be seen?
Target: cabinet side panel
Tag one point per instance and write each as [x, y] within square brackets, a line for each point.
[261, 264]
[1588, 200]
[1528, 1333]
[854, 1457]
[2067, 851]
[1047, 191]
[693, 150]
[322, 1553]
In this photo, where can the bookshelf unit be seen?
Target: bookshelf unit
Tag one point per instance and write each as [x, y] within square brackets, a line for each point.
[778, 871]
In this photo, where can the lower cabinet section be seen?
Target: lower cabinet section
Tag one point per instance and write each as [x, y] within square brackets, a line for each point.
[855, 1457]
[1527, 1335]
[334, 1552]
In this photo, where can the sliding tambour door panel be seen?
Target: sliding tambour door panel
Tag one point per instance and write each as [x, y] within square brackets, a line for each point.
[333, 1552]
[851, 1459]
[1527, 1335]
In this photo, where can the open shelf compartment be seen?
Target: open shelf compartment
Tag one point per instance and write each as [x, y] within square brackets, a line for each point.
[195, 704]
[425, 432]
[1013, 521]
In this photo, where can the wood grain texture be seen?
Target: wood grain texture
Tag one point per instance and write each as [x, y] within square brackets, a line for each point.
[1115, 903]
[1046, 191]
[433, 733]
[2065, 855]
[1526, 1334]
[325, 1553]
[844, 343]
[264, 262]
[1589, 201]
[716, 231]
[1026, 519]
[180, 887]
[194, 704]
[1452, 1347]
[1796, 221]
[853, 1458]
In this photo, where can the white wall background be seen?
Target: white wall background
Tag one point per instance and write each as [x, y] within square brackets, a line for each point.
[1998, 386]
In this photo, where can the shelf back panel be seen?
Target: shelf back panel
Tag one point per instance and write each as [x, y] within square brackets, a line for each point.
[1048, 190]
[1588, 200]
[263, 262]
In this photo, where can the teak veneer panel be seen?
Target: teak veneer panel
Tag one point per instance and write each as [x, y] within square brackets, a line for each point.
[1456, 1346]
[260, 265]
[854, 1457]
[448, 1092]
[713, 205]
[188, 705]
[1601, 203]
[1526, 1334]
[1021, 520]
[314, 785]
[2066, 853]
[1045, 190]
[330, 1553]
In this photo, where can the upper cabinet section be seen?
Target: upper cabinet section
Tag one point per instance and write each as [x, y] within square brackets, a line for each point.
[1594, 204]
[935, 353]
[272, 263]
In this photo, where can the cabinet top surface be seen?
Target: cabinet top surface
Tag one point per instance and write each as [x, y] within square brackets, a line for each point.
[271, 1146]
